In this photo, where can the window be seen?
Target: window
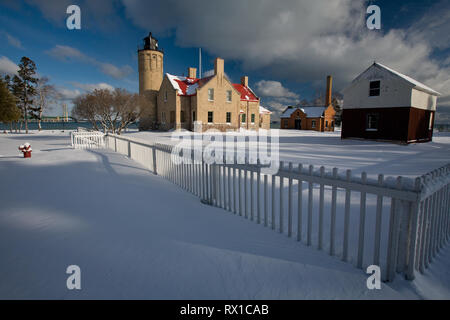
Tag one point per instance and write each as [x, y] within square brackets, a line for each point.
[243, 118]
[163, 117]
[286, 123]
[229, 96]
[332, 124]
[374, 90]
[165, 96]
[228, 117]
[313, 123]
[326, 124]
[211, 94]
[182, 116]
[253, 118]
[210, 117]
[194, 116]
[172, 116]
[372, 122]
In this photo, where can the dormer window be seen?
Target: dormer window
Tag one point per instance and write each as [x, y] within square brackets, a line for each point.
[374, 89]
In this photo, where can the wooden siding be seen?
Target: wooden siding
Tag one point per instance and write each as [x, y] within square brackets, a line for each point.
[403, 124]
[306, 123]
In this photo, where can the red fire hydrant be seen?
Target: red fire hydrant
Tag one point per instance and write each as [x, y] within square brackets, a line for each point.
[26, 149]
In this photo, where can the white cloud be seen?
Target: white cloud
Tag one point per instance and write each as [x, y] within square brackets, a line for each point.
[115, 72]
[12, 40]
[92, 86]
[70, 94]
[7, 66]
[275, 96]
[67, 53]
[270, 88]
[67, 94]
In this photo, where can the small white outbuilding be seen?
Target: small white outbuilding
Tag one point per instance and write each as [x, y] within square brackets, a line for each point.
[384, 104]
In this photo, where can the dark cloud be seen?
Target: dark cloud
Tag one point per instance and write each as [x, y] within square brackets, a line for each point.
[298, 40]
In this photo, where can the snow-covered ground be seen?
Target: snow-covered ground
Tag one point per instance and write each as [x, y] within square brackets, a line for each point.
[327, 149]
[136, 235]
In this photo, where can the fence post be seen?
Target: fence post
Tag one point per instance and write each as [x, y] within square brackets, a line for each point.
[346, 217]
[413, 233]
[290, 201]
[362, 223]
[258, 190]
[299, 204]
[321, 205]
[377, 245]
[281, 197]
[333, 213]
[394, 225]
[266, 201]
[154, 160]
[310, 207]
[273, 202]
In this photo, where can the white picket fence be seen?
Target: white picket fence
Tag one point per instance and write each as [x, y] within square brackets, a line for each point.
[87, 139]
[398, 225]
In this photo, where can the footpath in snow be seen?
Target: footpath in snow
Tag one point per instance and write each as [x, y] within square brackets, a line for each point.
[137, 236]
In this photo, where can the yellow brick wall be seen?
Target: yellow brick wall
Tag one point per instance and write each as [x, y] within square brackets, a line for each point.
[219, 106]
[166, 106]
[250, 108]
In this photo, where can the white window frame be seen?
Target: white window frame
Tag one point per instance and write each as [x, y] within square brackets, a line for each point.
[367, 121]
[229, 96]
[211, 93]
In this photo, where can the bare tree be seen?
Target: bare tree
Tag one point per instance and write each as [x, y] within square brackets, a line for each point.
[114, 110]
[46, 94]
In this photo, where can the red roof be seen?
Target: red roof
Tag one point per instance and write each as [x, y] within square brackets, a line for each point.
[186, 86]
[246, 93]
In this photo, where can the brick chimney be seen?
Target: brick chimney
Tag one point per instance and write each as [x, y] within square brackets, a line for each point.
[192, 72]
[218, 67]
[244, 81]
[329, 88]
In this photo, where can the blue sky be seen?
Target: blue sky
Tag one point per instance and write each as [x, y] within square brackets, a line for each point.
[287, 48]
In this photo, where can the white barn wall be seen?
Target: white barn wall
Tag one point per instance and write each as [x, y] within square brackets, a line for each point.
[394, 91]
[423, 100]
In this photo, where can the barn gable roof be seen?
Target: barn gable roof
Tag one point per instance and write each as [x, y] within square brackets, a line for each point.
[416, 84]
